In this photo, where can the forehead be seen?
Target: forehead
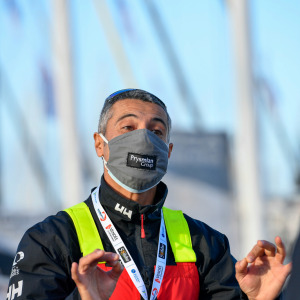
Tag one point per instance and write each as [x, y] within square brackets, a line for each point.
[139, 108]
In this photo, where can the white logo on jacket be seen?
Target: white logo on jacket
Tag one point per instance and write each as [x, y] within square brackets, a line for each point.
[13, 291]
[19, 256]
[15, 270]
[123, 210]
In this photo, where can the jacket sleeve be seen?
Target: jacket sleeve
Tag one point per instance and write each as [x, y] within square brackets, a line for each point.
[216, 266]
[42, 266]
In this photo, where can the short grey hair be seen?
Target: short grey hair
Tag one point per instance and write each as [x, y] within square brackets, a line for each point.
[137, 94]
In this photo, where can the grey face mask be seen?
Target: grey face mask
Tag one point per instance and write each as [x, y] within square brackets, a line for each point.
[137, 160]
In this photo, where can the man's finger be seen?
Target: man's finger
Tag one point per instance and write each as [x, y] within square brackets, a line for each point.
[241, 269]
[74, 272]
[91, 260]
[269, 248]
[281, 252]
[110, 257]
[112, 260]
[255, 252]
[116, 271]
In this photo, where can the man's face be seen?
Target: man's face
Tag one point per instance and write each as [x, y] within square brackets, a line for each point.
[131, 114]
[128, 115]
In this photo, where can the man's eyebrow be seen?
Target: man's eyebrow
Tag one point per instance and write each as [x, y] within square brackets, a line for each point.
[161, 121]
[157, 119]
[126, 116]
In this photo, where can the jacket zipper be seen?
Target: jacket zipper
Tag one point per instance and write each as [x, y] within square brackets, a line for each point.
[143, 235]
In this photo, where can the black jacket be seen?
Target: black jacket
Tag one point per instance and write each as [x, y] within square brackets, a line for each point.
[47, 250]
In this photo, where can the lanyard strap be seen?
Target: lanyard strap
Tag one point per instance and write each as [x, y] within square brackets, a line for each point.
[126, 258]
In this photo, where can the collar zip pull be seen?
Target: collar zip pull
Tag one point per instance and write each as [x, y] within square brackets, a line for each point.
[143, 235]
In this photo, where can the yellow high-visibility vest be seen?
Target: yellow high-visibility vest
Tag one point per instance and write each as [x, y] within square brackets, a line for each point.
[176, 226]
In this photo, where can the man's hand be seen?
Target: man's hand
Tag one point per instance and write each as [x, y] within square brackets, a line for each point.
[266, 274]
[92, 282]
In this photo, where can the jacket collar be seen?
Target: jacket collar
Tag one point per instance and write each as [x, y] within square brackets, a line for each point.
[120, 208]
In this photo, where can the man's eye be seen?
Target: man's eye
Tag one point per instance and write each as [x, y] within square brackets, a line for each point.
[157, 132]
[128, 128]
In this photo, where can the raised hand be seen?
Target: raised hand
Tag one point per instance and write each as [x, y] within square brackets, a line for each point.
[92, 282]
[265, 275]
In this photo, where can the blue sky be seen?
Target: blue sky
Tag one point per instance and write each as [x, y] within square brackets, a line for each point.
[200, 34]
[276, 46]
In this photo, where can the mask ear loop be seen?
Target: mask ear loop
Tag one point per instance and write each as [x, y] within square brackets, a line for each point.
[106, 141]
[103, 138]
[105, 163]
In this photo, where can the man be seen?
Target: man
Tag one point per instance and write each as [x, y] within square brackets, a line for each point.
[166, 254]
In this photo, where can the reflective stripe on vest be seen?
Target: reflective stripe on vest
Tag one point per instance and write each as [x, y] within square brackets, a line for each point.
[87, 233]
[179, 235]
[176, 226]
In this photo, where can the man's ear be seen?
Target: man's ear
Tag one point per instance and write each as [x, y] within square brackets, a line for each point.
[99, 144]
[170, 149]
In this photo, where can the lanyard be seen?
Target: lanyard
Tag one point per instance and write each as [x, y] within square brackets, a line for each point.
[126, 258]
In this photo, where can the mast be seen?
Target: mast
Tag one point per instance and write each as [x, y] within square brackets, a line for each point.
[248, 192]
[65, 102]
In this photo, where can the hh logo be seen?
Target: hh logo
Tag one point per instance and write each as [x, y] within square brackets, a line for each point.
[15, 291]
[123, 210]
